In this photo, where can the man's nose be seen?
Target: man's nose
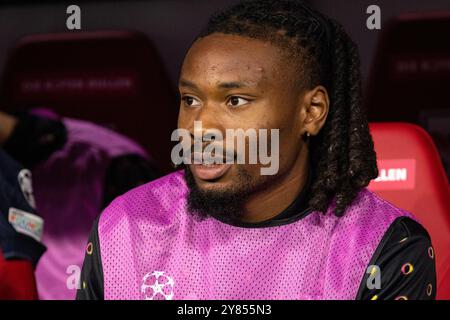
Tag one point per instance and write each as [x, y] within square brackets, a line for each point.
[208, 124]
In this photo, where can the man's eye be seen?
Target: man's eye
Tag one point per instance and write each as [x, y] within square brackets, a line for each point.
[190, 101]
[237, 101]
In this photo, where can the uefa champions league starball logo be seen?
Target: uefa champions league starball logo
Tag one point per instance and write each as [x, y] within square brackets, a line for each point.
[157, 286]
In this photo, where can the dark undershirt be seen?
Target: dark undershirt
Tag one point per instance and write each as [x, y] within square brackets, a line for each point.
[405, 258]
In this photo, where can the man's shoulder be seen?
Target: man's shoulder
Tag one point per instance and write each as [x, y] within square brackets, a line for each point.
[369, 217]
[369, 205]
[156, 200]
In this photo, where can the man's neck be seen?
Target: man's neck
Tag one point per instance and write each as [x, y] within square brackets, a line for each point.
[275, 199]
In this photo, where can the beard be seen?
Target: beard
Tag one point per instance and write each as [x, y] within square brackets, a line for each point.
[225, 204]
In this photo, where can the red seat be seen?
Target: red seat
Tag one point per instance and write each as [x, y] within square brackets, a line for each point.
[411, 176]
[113, 78]
[410, 75]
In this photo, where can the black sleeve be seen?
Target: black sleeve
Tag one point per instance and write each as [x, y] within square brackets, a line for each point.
[125, 173]
[20, 226]
[91, 279]
[406, 265]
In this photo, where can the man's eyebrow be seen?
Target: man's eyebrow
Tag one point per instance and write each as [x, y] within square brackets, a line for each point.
[187, 83]
[233, 85]
[221, 85]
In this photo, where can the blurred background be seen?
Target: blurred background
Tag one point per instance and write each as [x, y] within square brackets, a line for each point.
[172, 24]
[94, 108]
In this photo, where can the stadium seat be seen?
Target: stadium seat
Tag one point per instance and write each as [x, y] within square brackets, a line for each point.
[411, 176]
[113, 78]
[410, 75]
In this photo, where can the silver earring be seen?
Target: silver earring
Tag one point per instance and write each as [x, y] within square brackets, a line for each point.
[308, 134]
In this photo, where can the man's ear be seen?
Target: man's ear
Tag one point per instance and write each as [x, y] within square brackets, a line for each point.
[316, 104]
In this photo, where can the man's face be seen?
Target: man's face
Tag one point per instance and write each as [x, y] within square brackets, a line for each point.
[234, 82]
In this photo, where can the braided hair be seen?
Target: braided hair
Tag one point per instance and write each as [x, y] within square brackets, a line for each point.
[342, 156]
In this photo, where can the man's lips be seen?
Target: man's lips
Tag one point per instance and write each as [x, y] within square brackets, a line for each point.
[201, 158]
[209, 171]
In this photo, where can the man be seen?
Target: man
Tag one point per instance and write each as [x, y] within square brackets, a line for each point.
[20, 232]
[225, 231]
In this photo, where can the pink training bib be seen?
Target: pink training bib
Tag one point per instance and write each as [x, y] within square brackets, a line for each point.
[152, 248]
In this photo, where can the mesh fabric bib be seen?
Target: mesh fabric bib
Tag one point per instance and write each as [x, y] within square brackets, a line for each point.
[152, 248]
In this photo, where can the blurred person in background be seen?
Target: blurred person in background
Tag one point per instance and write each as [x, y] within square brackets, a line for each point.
[20, 231]
[78, 168]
